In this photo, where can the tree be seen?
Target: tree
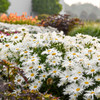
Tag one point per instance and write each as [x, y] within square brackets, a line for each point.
[92, 17]
[4, 5]
[83, 15]
[46, 6]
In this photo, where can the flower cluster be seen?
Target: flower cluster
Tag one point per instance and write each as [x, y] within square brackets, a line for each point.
[8, 29]
[15, 19]
[73, 61]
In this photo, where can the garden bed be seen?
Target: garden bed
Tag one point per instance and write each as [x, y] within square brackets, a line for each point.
[50, 62]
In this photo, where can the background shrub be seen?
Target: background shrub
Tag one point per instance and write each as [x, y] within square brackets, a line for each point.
[61, 22]
[46, 6]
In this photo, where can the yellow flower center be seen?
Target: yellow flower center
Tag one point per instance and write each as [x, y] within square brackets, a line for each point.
[69, 61]
[99, 59]
[81, 59]
[45, 44]
[92, 70]
[54, 61]
[34, 40]
[33, 60]
[18, 80]
[86, 54]
[37, 43]
[25, 51]
[7, 45]
[47, 96]
[89, 50]
[50, 38]
[1, 36]
[79, 72]
[44, 75]
[77, 89]
[49, 50]
[67, 76]
[54, 71]
[77, 45]
[88, 64]
[86, 82]
[6, 54]
[39, 81]
[17, 48]
[98, 79]
[16, 37]
[74, 53]
[75, 78]
[98, 55]
[35, 86]
[53, 53]
[56, 39]
[92, 92]
[32, 74]
[31, 67]
[39, 67]
[75, 95]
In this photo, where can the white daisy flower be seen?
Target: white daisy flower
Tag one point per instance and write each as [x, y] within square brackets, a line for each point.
[34, 86]
[43, 75]
[73, 96]
[65, 75]
[16, 37]
[88, 98]
[97, 78]
[17, 91]
[74, 88]
[40, 67]
[18, 80]
[92, 70]
[31, 75]
[54, 72]
[75, 77]
[92, 93]
[86, 82]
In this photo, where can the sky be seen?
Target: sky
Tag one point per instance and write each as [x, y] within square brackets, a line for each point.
[94, 2]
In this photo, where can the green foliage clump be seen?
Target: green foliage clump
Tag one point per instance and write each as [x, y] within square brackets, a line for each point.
[46, 6]
[4, 5]
[61, 22]
[87, 30]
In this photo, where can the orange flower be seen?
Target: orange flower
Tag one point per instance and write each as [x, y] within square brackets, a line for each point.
[12, 18]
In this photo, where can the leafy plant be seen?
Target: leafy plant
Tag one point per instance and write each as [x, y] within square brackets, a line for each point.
[61, 22]
[87, 30]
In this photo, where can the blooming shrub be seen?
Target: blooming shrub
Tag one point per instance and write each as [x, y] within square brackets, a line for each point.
[61, 22]
[64, 66]
[15, 19]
